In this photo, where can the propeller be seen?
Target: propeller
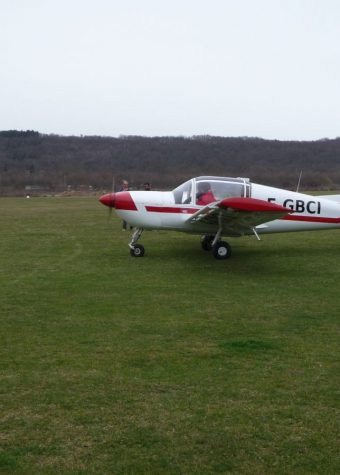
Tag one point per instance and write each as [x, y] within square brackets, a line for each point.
[108, 200]
[112, 192]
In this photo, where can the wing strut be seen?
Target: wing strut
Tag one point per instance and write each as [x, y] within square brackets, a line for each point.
[255, 232]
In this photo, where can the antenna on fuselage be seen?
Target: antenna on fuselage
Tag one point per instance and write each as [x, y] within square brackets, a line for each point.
[299, 180]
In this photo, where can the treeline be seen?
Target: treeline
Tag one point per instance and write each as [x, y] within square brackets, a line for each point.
[30, 160]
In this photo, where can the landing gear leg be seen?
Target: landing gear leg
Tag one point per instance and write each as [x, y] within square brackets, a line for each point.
[136, 250]
[220, 249]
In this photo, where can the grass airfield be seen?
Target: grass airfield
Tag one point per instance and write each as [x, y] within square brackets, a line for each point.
[174, 363]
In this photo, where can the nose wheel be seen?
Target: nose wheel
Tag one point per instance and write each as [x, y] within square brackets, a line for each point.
[137, 251]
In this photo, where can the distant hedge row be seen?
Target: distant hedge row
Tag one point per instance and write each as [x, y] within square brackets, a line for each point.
[28, 158]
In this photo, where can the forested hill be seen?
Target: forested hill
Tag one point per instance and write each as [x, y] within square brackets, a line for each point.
[56, 163]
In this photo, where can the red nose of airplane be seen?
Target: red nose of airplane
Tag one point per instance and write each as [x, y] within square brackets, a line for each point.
[108, 200]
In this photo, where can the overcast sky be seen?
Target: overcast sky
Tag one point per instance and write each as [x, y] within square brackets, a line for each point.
[264, 68]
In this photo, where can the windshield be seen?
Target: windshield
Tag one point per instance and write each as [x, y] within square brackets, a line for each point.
[182, 193]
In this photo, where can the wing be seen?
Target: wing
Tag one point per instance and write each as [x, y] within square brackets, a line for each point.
[238, 216]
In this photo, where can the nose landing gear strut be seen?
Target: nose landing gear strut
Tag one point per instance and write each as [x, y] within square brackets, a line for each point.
[136, 250]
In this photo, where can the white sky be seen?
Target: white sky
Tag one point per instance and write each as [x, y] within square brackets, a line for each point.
[265, 68]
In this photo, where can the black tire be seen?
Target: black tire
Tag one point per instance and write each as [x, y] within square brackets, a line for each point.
[137, 251]
[206, 242]
[222, 250]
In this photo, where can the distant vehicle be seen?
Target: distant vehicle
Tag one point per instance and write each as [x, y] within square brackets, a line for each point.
[220, 206]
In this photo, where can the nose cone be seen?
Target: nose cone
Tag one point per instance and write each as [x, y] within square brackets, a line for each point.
[108, 200]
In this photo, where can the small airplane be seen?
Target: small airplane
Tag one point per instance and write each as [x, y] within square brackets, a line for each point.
[214, 207]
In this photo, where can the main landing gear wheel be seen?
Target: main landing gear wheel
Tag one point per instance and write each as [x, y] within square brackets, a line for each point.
[206, 242]
[221, 250]
[137, 250]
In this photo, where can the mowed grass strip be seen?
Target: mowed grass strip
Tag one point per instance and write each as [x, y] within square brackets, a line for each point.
[173, 363]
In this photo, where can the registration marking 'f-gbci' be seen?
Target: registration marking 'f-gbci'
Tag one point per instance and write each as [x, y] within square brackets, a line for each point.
[300, 206]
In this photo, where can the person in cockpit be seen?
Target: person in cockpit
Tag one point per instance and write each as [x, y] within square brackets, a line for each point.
[204, 195]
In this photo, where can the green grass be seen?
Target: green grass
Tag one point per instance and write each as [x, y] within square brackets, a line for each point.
[175, 363]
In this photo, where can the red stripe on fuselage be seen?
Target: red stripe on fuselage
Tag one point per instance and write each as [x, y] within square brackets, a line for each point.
[310, 219]
[170, 209]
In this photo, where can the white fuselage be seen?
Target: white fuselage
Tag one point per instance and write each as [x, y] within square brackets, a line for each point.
[158, 210]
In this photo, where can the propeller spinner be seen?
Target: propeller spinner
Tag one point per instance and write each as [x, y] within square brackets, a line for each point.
[108, 200]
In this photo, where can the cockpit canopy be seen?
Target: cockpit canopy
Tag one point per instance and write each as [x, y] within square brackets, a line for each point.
[207, 189]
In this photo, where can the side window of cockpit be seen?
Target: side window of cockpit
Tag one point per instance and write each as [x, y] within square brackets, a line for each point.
[226, 189]
[182, 194]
